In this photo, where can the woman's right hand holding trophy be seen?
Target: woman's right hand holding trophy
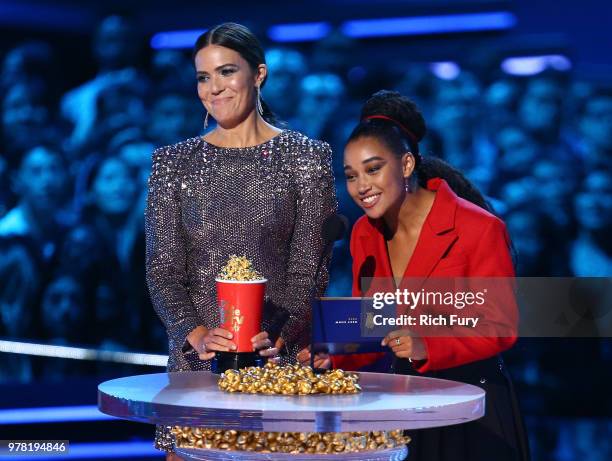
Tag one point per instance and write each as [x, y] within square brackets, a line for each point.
[206, 342]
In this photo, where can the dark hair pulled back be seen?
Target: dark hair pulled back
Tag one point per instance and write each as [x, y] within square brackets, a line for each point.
[403, 133]
[240, 39]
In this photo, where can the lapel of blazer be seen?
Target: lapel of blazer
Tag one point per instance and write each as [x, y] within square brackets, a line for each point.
[438, 233]
[373, 245]
[374, 256]
[437, 236]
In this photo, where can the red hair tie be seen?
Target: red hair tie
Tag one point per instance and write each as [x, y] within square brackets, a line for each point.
[410, 134]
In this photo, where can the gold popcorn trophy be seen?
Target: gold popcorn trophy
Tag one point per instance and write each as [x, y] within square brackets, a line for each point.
[240, 297]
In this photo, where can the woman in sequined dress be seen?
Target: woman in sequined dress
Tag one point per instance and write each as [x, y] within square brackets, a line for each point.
[246, 188]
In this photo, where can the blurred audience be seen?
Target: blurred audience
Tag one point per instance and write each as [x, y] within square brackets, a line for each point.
[117, 227]
[285, 68]
[19, 291]
[40, 185]
[26, 120]
[540, 112]
[591, 251]
[174, 117]
[457, 114]
[64, 310]
[74, 167]
[116, 50]
[595, 128]
[320, 96]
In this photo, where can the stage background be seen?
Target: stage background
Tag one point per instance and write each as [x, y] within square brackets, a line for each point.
[517, 94]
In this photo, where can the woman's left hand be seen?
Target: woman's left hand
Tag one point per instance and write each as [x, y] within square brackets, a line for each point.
[405, 346]
[263, 345]
[321, 359]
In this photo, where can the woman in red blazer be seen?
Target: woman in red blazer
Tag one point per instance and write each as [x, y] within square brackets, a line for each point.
[425, 219]
[455, 239]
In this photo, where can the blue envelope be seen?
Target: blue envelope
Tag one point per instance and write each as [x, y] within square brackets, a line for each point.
[338, 325]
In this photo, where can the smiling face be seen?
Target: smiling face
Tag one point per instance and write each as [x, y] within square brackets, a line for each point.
[375, 177]
[227, 84]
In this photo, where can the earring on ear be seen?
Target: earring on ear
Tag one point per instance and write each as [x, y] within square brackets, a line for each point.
[408, 186]
[206, 120]
[259, 106]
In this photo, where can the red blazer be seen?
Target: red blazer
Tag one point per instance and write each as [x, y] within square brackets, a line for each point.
[458, 239]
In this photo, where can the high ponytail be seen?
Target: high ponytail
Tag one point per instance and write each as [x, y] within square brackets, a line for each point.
[433, 167]
[396, 121]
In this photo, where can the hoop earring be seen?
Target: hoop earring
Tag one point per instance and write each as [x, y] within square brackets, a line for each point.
[259, 106]
[206, 120]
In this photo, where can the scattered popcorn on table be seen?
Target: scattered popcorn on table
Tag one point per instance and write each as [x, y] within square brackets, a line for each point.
[288, 380]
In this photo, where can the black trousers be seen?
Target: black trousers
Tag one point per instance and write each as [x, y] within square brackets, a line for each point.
[499, 435]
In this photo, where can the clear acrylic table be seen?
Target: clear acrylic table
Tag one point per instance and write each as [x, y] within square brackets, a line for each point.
[387, 402]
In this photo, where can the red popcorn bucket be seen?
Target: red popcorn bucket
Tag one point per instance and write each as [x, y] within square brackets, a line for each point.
[240, 307]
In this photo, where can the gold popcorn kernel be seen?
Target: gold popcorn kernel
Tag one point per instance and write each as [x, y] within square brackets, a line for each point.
[288, 380]
[304, 387]
[239, 268]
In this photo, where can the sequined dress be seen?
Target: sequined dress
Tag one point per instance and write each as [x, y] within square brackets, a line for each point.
[205, 203]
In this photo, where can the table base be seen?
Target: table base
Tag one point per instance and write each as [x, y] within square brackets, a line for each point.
[200, 443]
[201, 454]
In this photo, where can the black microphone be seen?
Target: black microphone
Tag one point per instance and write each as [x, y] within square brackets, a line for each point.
[334, 228]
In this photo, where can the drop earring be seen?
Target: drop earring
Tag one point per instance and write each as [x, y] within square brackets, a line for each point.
[206, 120]
[407, 185]
[259, 106]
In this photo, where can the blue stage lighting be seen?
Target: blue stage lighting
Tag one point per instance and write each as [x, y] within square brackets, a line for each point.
[299, 32]
[445, 70]
[175, 39]
[422, 25]
[360, 28]
[52, 415]
[532, 65]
